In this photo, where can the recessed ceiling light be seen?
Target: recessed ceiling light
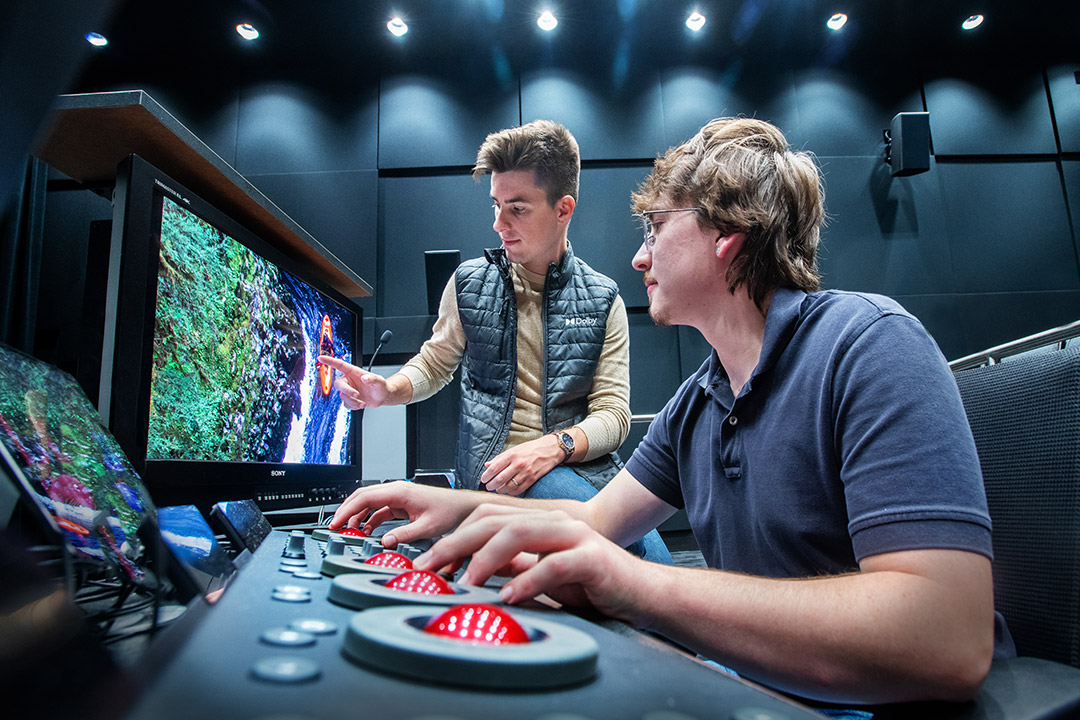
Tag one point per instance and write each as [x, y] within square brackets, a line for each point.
[547, 21]
[972, 22]
[837, 21]
[247, 31]
[97, 39]
[696, 21]
[397, 26]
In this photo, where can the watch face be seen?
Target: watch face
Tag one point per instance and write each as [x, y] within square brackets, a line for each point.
[567, 442]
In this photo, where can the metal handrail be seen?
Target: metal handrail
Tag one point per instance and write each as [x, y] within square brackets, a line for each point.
[992, 356]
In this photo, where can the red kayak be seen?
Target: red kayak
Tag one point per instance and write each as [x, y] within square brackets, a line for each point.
[326, 347]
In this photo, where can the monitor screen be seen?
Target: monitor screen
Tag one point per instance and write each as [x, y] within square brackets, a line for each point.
[68, 465]
[192, 542]
[210, 378]
[235, 375]
[243, 523]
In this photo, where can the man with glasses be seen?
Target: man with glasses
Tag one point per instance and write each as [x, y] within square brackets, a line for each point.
[821, 452]
[542, 339]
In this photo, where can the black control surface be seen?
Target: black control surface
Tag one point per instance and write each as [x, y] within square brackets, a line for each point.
[272, 647]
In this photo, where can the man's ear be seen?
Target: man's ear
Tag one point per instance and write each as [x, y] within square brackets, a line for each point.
[564, 208]
[728, 246]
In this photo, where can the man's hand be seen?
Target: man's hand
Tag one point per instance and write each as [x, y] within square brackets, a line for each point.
[514, 470]
[573, 564]
[359, 388]
[431, 511]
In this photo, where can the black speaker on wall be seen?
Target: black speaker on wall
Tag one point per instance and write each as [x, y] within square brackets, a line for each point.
[907, 143]
[439, 265]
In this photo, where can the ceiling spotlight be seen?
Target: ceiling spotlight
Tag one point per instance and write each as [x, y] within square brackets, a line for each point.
[247, 31]
[97, 39]
[397, 26]
[972, 22]
[837, 21]
[696, 21]
[547, 21]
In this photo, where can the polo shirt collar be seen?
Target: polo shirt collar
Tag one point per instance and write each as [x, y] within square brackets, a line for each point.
[780, 323]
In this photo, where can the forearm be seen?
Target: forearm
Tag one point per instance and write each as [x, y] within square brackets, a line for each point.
[608, 421]
[400, 389]
[866, 637]
[431, 369]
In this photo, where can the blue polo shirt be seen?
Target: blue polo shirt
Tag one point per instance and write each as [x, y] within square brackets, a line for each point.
[849, 440]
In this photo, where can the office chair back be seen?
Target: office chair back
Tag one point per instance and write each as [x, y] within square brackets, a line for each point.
[1025, 416]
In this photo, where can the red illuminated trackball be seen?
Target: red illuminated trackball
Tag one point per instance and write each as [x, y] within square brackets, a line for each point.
[390, 559]
[478, 623]
[421, 582]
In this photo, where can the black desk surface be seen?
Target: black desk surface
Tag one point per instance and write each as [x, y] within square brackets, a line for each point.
[210, 675]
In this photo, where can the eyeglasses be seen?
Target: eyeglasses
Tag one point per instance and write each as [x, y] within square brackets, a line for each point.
[650, 231]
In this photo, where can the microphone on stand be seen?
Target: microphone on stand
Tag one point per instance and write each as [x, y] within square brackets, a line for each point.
[384, 338]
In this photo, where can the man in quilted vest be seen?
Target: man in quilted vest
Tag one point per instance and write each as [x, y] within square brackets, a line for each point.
[541, 337]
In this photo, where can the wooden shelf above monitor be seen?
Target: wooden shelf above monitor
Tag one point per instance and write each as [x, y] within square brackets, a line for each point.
[89, 134]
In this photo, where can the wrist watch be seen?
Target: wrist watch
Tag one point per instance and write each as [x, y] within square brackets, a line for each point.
[566, 442]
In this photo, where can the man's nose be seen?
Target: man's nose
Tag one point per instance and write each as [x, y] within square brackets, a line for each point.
[642, 258]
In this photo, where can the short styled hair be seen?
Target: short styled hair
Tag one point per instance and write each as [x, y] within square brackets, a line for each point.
[742, 176]
[545, 147]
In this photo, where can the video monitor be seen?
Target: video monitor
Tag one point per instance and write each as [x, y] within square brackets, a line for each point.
[211, 380]
[243, 523]
[56, 447]
[192, 542]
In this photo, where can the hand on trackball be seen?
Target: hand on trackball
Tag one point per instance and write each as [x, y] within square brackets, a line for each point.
[546, 552]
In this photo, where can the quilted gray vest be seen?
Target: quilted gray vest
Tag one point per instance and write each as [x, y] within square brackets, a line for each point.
[576, 304]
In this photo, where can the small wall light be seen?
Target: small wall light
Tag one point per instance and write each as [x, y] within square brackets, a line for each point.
[972, 22]
[397, 26]
[837, 21]
[547, 21]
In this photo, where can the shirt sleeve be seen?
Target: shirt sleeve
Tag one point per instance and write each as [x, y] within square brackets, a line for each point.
[608, 421]
[431, 369]
[908, 462]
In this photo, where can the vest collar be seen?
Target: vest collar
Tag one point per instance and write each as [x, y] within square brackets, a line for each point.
[557, 274]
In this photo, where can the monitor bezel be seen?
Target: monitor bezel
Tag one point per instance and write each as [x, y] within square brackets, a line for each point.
[127, 357]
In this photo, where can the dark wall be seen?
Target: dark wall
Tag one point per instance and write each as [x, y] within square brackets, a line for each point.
[982, 247]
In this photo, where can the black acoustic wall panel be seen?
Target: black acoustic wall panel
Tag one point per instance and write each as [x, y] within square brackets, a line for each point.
[654, 364]
[1007, 226]
[693, 350]
[338, 209]
[1064, 81]
[988, 319]
[1071, 173]
[423, 213]
[694, 95]
[604, 232]
[844, 113]
[998, 115]
[425, 121]
[885, 234]
[611, 121]
[287, 127]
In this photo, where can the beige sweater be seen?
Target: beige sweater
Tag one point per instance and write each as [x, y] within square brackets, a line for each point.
[608, 421]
